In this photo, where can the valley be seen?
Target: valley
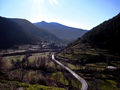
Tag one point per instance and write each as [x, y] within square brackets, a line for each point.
[32, 70]
[53, 56]
[26, 58]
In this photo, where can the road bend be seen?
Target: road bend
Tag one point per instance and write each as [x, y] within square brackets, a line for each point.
[83, 82]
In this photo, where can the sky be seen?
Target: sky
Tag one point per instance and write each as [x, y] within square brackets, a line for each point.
[84, 14]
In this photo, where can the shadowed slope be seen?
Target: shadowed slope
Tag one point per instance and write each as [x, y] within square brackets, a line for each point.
[38, 32]
[13, 34]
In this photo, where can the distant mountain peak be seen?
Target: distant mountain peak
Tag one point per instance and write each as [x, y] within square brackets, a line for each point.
[62, 31]
[43, 22]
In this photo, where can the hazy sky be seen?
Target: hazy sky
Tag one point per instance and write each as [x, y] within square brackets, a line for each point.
[84, 14]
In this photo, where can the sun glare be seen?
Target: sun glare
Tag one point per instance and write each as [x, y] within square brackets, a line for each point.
[38, 1]
[51, 2]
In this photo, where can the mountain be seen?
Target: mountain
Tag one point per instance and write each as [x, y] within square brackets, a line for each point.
[96, 56]
[37, 32]
[105, 35]
[101, 40]
[13, 34]
[61, 31]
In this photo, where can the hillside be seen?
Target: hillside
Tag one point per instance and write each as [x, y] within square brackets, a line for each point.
[93, 55]
[105, 35]
[61, 31]
[37, 32]
[13, 34]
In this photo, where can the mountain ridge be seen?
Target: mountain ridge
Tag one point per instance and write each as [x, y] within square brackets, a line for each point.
[38, 32]
[61, 31]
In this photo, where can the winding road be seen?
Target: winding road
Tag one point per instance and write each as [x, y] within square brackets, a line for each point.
[83, 82]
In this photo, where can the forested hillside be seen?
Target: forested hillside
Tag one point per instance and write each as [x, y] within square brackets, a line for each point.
[95, 56]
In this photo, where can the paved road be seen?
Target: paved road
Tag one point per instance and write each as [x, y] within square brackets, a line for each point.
[83, 82]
